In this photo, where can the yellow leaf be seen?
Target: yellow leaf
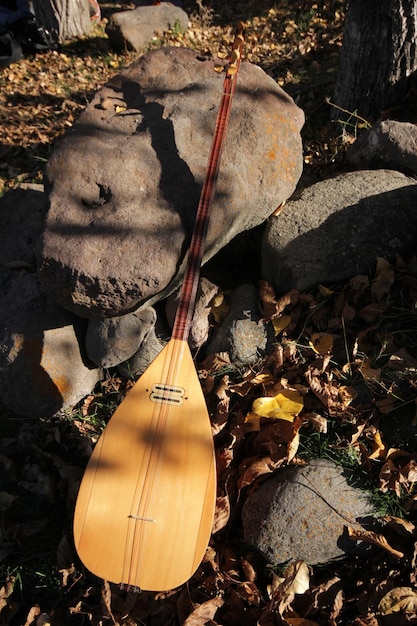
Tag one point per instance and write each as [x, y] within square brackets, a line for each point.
[265, 407]
[285, 405]
[322, 343]
[219, 308]
[280, 323]
[234, 56]
[120, 108]
[378, 447]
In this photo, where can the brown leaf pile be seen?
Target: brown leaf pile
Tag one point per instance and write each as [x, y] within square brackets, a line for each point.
[334, 374]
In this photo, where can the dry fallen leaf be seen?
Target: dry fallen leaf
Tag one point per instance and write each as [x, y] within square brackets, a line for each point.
[270, 305]
[204, 612]
[319, 422]
[399, 599]
[280, 323]
[222, 513]
[384, 278]
[379, 449]
[219, 307]
[322, 343]
[249, 592]
[374, 538]
[400, 525]
[347, 395]
[6, 591]
[255, 467]
[297, 578]
[34, 612]
[285, 405]
[398, 471]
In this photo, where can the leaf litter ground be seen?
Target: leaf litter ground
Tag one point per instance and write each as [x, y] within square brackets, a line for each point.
[340, 382]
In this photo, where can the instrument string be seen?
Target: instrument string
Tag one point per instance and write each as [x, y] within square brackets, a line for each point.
[142, 515]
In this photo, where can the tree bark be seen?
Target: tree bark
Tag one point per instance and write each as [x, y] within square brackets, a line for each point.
[378, 56]
[64, 19]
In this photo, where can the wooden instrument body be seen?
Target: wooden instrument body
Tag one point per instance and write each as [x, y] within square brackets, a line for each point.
[145, 507]
[154, 450]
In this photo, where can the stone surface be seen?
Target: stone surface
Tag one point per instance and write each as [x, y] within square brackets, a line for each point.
[42, 367]
[42, 364]
[301, 513]
[134, 29]
[111, 341]
[124, 182]
[22, 214]
[148, 351]
[388, 144]
[336, 228]
[242, 333]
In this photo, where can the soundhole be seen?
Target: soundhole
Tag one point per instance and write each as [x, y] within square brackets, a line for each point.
[167, 394]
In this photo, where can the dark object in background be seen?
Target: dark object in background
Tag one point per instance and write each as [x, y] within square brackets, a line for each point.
[10, 50]
[20, 34]
[33, 37]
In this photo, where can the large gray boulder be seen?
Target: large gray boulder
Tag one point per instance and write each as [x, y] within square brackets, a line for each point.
[22, 214]
[336, 228]
[388, 144]
[302, 512]
[110, 341]
[43, 367]
[125, 180]
[134, 29]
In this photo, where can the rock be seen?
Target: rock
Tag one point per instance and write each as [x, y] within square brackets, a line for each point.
[134, 29]
[336, 228]
[42, 363]
[242, 333]
[301, 513]
[388, 144]
[113, 340]
[200, 325]
[148, 351]
[23, 212]
[42, 367]
[124, 182]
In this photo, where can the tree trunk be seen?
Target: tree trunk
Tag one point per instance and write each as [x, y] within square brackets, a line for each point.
[378, 56]
[64, 19]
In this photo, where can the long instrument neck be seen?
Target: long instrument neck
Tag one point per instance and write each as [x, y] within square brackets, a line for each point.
[185, 310]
